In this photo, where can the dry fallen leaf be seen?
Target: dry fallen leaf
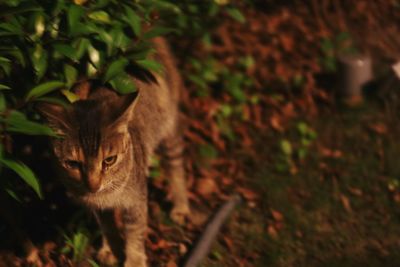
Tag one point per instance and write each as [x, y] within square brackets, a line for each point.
[276, 123]
[272, 232]
[287, 42]
[356, 191]
[228, 242]
[276, 215]
[378, 128]
[346, 203]
[330, 153]
[206, 186]
[248, 194]
[288, 110]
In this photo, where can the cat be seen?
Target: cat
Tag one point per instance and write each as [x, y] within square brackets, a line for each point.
[106, 143]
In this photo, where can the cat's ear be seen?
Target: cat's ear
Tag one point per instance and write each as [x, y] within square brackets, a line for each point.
[56, 116]
[123, 110]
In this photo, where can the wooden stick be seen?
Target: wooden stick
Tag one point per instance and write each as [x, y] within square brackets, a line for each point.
[203, 245]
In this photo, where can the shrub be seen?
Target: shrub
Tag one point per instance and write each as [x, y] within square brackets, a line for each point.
[48, 46]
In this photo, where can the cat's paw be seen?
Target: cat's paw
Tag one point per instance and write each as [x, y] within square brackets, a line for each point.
[180, 213]
[135, 259]
[106, 257]
[33, 258]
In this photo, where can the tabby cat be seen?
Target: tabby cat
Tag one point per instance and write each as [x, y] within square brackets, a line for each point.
[107, 141]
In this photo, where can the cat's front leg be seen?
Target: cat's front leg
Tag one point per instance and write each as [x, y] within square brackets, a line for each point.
[173, 159]
[113, 245]
[135, 227]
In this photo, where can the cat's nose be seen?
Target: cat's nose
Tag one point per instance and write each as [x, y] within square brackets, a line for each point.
[93, 183]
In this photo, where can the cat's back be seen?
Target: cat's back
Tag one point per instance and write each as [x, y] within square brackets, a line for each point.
[156, 108]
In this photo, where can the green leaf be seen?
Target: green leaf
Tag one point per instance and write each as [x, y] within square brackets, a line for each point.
[43, 89]
[91, 70]
[302, 153]
[115, 68]
[17, 122]
[11, 28]
[94, 56]
[120, 39]
[106, 37]
[226, 110]
[99, 4]
[165, 5]
[12, 194]
[4, 59]
[302, 127]
[25, 173]
[198, 81]
[70, 74]
[6, 67]
[225, 128]
[133, 20]
[18, 8]
[123, 84]
[74, 14]
[327, 46]
[39, 24]
[54, 27]
[236, 14]
[81, 46]
[70, 96]
[247, 61]
[39, 61]
[208, 151]
[100, 16]
[66, 50]
[3, 104]
[4, 87]
[18, 55]
[93, 263]
[150, 65]
[286, 147]
[140, 51]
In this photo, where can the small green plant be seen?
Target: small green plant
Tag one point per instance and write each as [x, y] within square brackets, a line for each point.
[307, 136]
[155, 167]
[76, 244]
[206, 153]
[210, 74]
[285, 160]
[292, 150]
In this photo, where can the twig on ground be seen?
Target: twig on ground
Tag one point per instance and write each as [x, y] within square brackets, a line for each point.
[204, 243]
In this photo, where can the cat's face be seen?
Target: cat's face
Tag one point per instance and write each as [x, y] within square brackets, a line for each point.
[94, 151]
[104, 170]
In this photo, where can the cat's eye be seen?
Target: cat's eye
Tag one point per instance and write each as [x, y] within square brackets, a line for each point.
[109, 161]
[72, 164]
